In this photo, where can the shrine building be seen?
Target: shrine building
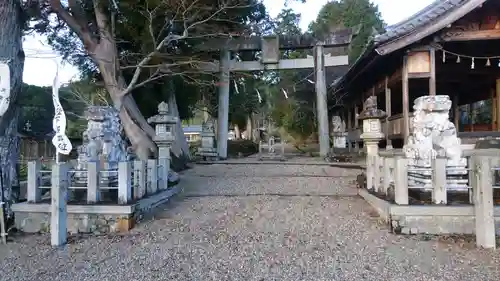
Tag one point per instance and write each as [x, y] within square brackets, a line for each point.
[449, 48]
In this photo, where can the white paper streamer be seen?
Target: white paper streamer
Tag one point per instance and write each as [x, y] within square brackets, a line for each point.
[4, 88]
[259, 96]
[236, 87]
[60, 140]
[285, 93]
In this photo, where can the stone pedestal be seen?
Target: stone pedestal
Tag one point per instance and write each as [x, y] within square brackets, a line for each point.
[339, 134]
[208, 149]
[433, 136]
[164, 138]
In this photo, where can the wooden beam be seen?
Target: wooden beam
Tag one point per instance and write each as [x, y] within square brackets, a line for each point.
[473, 35]
[254, 43]
[282, 64]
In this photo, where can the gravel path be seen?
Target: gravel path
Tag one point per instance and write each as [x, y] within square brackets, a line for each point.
[219, 229]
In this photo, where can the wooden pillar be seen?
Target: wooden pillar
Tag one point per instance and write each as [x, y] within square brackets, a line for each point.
[349, 119]
[406, 92]
[388, 111]
[497, 88]
[223, 118]
[432, 78]
[356, 121]
[471, 116]
[456, 112]
[321, 101]
[493, 110]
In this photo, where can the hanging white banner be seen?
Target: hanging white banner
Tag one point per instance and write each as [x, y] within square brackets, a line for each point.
[60, 140]
[4, 88]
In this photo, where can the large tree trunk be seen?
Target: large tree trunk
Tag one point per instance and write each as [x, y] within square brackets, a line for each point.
[180, 147]
[11, 49]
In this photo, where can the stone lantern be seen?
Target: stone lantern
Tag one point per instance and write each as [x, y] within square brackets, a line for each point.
[372, 125]
[164, 136]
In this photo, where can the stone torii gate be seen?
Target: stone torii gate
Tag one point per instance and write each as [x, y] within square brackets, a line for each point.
[271, 60]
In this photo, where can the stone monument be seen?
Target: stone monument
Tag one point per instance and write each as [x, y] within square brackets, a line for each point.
[371, 136]
[208, 149]
[339, 133]
[275, 150]
[103, 142]
[433, 135]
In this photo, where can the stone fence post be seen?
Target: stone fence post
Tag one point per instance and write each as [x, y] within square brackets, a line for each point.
[483, 201]
[58, 207]
[164, 138]
[124, 182]
[34, 193]
[401, 180]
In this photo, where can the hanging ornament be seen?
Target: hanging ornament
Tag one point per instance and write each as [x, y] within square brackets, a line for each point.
[488, 62]
[458, 59]
[472, 64]
[444, 56]
[285, 93]
[258, 95]
[236, 87]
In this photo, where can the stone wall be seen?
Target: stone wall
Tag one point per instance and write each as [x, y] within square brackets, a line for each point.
[77, 223]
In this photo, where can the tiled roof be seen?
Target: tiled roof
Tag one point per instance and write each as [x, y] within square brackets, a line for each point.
[435, 10]
[429, 20]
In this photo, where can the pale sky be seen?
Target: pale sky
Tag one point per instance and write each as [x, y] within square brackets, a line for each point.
[40, 68]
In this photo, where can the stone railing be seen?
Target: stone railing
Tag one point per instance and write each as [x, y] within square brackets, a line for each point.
[388, 175]
[136, 180]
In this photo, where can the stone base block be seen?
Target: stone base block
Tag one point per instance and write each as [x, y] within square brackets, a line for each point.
[31, 222]
[96, 219]
[432, 219]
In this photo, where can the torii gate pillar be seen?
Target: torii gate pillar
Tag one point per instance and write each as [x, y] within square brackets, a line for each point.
[321, 101]
[223, 107]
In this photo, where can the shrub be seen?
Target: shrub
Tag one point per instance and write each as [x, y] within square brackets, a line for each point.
[243, 147]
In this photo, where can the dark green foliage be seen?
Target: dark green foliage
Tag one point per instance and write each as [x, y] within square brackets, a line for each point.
[349, 13]
[36, 109]
[135, 21]
[235, 148]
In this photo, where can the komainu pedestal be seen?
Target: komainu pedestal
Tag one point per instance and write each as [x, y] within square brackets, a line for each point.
[339, 133]
[208, 149]
[433, 135]
[103, 141]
